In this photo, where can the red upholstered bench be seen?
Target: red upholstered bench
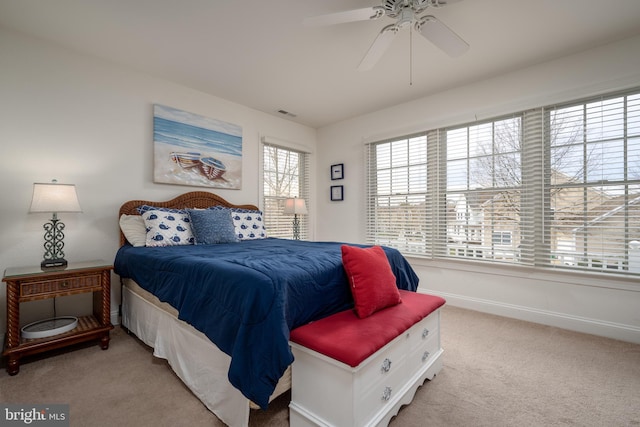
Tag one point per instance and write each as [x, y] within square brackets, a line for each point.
[350, 371]
[347, 338]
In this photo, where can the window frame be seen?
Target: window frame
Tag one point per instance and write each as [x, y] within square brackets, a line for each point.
[277, 223]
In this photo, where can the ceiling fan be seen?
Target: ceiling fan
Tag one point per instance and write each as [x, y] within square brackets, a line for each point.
[407, 14]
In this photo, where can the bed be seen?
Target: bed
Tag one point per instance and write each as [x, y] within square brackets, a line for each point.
[221, 313]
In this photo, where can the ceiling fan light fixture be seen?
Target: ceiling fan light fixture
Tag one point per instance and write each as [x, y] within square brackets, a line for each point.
[407, 14]
[406, 18]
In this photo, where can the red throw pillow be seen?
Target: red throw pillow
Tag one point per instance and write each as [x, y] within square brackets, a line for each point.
[373, 284]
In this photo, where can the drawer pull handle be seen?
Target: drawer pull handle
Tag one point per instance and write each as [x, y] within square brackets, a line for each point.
[386, 394]
[425, 355]
[386, 366]
[425, 333]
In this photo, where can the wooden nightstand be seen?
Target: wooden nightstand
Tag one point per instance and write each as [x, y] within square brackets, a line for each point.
[33, 283]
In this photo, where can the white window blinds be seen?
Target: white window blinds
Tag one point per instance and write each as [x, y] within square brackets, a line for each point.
[554, 187]
[285, 175]
[397, 197]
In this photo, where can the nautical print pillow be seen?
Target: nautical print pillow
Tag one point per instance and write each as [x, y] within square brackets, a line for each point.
[167, 228]
[249, 225]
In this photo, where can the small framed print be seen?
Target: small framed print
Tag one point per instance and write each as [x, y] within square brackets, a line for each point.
[337, 171]
[337, 193]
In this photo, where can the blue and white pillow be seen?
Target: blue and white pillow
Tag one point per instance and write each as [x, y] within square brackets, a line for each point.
[249, 225]
[212, 226]
[166, 228]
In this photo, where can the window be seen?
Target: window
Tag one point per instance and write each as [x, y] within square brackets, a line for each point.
[483, 185]
[501, 238]
[593, 183]
[285, 175]
[555, 187]
[397, 198]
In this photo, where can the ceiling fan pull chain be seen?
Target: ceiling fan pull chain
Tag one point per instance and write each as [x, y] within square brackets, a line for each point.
[410, 57]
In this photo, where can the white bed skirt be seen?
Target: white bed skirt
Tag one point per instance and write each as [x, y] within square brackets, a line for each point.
[194, 358]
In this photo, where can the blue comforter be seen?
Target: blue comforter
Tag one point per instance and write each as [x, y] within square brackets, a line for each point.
[247, 296]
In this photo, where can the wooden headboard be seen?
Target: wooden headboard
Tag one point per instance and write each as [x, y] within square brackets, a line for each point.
[192, 200]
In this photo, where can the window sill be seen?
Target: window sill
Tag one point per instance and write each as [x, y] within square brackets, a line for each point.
[592, 279]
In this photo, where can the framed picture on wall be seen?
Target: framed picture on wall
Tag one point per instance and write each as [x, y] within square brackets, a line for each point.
[337, 171]
[195, 150]
[337, 193]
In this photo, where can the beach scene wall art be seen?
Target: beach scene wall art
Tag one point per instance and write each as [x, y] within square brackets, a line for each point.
[190, 149]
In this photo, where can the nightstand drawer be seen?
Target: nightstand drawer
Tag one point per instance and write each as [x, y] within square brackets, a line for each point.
[71, 284]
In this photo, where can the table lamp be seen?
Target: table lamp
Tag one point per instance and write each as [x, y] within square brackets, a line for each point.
[54, 198]
[296, 207]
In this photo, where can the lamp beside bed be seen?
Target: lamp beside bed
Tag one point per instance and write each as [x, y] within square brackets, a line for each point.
[295, 207]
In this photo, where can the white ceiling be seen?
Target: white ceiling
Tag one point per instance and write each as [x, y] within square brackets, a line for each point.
[258, 52]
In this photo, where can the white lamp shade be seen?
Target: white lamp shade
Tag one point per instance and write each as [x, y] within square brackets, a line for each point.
[295, 206]
[54, 198]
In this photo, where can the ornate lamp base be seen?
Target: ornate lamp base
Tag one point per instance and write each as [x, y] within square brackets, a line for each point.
[296, 227]
[53, 244]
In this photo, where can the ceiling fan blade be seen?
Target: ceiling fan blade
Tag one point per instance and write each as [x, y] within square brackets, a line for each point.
[379, 46]
[363, 14]
[442, 36]
[440, 3]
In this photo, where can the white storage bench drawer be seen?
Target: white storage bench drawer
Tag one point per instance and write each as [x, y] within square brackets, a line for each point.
[359, 372]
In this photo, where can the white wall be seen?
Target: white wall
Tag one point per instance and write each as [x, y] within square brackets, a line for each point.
[89, 122]
[591, 304]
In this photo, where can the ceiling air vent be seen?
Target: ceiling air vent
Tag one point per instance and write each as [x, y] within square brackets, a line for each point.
[286, 113]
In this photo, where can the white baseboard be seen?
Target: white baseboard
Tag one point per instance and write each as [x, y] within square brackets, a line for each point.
[628, 333]
[115, 317]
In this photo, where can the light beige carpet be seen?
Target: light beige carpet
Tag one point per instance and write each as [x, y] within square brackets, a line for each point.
[497, 372]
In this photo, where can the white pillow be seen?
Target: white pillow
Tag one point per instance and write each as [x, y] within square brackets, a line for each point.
[133, 228]
[167, 228]
[249, 225]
